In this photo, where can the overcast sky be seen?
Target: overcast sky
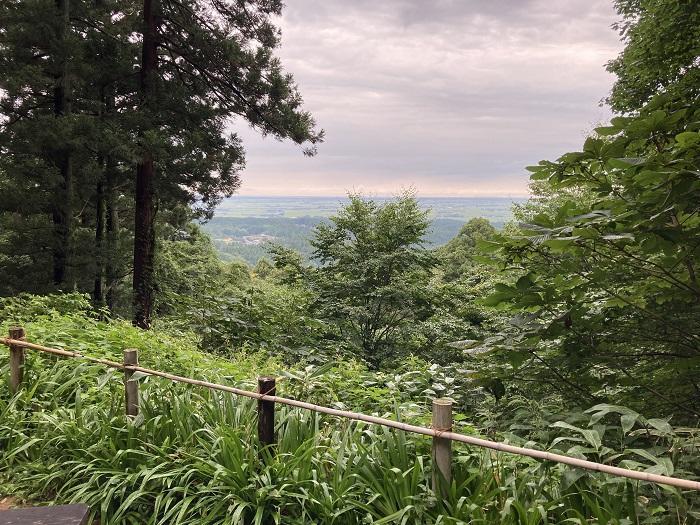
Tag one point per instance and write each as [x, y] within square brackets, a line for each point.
[452, 97]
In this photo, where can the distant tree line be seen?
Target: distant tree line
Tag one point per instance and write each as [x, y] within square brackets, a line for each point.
[295, 233]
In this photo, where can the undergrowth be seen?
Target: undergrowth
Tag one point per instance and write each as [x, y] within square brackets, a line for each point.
[192, 455]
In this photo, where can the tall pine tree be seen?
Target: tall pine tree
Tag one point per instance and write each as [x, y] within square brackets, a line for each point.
[204, 63]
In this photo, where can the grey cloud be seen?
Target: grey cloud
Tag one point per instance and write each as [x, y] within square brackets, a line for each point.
[451, 96]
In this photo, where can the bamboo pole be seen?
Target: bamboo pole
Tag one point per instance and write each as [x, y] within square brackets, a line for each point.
[374, 420]
[8, 341]
[131, 387]
[442, 448]
[266, 411]
[16, 359]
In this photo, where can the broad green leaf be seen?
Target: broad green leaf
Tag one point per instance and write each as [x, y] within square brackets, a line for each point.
[561, 243]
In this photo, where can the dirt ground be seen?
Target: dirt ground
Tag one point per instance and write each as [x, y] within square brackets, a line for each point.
[7, 502]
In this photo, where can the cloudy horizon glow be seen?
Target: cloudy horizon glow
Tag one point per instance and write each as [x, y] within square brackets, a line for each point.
[450, 97]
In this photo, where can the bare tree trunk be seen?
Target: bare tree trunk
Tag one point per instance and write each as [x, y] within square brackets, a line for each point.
[62, 214]
[104, 208]
[144, 216]
[144, 241]
[112, 234]
[98, 294]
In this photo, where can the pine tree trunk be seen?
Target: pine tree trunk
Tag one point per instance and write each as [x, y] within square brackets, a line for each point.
[112, 237]
[144, 241]
[98, 294]
[144, 215]
[62, 210]
[100, 258]
[108, 265]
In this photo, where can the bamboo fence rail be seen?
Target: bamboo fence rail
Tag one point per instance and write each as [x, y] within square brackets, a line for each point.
[439, 435]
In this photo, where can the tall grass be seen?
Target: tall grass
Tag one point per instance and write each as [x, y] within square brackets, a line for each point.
[192, 457]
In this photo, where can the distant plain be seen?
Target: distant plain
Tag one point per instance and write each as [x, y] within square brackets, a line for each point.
[243, 226]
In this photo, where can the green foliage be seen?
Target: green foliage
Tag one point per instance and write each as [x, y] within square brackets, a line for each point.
[263, 268]
[661, 54]
[456, 256]
[288, 264]
[187, 268]
[607, 291]
[68, 321]
[259, 316]
[455, 316]
[374, 268]
[192, 456]
[24, 308]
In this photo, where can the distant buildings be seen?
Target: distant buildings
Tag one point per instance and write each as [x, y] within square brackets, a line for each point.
[250, 240]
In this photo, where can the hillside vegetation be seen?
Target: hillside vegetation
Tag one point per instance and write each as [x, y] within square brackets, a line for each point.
[575, 328]
[192, 456]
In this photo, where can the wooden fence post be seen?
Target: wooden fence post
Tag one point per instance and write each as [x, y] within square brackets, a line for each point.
[266, 412]
[16, 360]
[442, 448]
[131, 388]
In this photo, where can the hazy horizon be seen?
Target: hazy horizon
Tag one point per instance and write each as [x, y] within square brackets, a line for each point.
[373, 195]
[497, 209]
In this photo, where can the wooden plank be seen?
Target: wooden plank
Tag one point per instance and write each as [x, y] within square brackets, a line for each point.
[59, 515]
